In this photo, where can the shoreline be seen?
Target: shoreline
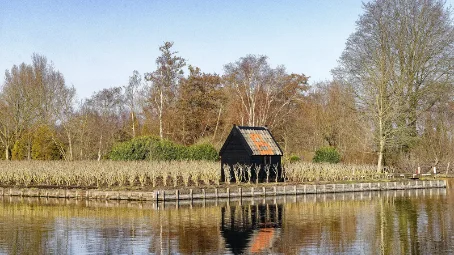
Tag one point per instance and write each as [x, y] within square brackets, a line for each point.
[213, 193]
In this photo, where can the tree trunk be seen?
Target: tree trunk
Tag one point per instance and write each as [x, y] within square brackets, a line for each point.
[133, 124]
[380, 161]
[7, 152]
[161, 135]
[381, 148]
[70, 147]
[99, 150]
[217, 123]
[29, 149]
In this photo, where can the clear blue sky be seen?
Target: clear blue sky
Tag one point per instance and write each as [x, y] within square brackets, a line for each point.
[97, 44]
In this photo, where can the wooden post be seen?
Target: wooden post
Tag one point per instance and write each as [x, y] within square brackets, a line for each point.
[240, 191]
[216, 193]
[204, 194]
[294, 189]
[264, 191]
[252, 192]
[275, 190]
[228, 193]
[191, 194]
[177, 195]
[305, 189]
[163, 195]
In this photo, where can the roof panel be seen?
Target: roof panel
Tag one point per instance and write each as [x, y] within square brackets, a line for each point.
[260, 141]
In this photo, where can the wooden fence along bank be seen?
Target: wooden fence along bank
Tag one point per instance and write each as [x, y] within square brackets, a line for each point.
[224, 193]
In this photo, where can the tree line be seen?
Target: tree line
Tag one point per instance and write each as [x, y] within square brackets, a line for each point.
[390, 101]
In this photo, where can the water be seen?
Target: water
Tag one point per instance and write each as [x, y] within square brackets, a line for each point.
[395, 222]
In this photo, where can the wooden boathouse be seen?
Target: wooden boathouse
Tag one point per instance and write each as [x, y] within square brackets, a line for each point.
[254, 147]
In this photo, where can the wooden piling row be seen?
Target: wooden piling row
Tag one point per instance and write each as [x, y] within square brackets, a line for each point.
[215, 193]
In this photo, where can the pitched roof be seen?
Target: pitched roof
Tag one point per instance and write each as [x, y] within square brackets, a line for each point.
[258, 140]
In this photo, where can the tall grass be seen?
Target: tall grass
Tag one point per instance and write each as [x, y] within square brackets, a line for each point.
[146, 174]
[310, 172]
[109, 174]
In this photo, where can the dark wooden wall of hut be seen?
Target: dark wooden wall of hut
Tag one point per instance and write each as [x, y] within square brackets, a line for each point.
[235, 152]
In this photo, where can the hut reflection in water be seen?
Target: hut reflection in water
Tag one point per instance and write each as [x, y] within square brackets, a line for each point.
[251, 228]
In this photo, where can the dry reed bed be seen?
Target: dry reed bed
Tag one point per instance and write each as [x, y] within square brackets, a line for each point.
[115, 174]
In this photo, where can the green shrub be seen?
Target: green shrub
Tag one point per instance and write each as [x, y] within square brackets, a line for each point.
[326, 154]
[135, 149]
[203, 152]
[167, 150]
[293, 158]
[152, 148]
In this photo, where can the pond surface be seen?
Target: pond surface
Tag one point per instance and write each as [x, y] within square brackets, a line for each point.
[394, 222]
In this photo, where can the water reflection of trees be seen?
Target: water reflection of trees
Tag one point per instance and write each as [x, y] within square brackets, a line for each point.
[61, 228]
[186, 231]
[414, 225]
[387, 223]
[319, 226]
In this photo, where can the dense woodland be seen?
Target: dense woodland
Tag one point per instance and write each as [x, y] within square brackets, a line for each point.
[390, 100]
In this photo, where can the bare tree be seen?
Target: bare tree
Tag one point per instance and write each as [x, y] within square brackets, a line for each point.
[64, 112]
[263, 94]
[164, 81]
[107, 105]
[19, 105]
[31, 96]
[131, 98]
[399, 63]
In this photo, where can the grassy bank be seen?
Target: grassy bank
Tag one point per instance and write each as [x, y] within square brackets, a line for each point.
[150, 175]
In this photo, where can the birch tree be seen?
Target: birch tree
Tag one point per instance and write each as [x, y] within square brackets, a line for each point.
[64, 112]
[164, 81]
[263, 94]
[131, 98]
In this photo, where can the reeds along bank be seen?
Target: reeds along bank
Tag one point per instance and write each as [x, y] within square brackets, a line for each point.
[110, 174]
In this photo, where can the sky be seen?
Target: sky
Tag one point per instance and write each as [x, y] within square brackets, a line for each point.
[98, 44]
